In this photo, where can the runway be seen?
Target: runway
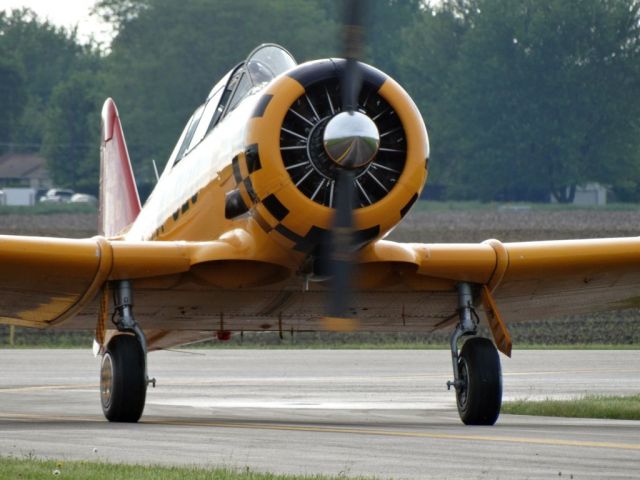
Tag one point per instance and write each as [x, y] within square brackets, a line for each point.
[383, 413]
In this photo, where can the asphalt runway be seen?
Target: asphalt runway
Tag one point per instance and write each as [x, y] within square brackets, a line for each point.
[358, 412]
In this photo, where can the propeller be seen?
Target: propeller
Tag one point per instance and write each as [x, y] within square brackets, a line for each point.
[351, 140]
[353, 37]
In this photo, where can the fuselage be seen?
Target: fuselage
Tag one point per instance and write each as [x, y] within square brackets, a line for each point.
[255, 165]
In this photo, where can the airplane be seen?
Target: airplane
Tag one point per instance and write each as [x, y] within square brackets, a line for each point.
[271, 215]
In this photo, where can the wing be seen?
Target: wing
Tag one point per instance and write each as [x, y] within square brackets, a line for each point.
[184, 291]
[535, 280]
[521, 281]
[408, 287]
[46, 282]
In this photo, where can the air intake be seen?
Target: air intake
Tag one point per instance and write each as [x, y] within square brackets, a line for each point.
[307, 162]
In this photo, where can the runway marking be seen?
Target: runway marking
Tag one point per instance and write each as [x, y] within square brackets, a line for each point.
[344, 430]
[391, 433]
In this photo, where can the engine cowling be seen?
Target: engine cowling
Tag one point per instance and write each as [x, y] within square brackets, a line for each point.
[286, 177]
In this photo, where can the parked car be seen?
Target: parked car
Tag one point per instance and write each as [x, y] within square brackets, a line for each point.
[84, 198]
[57, 195]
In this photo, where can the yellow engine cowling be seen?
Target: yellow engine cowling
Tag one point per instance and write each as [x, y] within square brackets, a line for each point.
[295, 211]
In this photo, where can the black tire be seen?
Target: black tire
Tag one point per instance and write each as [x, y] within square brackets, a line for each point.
[123, 382]
[480, 398]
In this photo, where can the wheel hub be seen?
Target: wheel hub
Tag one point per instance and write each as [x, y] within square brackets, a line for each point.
[106, 380]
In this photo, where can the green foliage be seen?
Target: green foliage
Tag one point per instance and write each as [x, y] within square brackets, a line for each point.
[535, 93]
[167, 56]
[432, 44]
[590, 406]
[12, 101]
[71, 133]
[45, 54]
[36, 469]
[522, 98]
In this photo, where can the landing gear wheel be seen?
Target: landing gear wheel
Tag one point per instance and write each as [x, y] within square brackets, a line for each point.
[123, 382]
[480, 396]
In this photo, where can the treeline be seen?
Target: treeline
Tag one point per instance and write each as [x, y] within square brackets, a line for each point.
[522, 98]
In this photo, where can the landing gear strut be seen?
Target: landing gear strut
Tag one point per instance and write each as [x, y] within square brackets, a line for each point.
[123, 373]
[476, 369]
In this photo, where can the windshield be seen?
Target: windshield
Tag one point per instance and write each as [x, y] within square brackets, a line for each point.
[267, 62]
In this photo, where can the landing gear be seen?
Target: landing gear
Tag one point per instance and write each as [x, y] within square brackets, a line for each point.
[480, 396]
[123, 373]
[123, 382]
[476, 370]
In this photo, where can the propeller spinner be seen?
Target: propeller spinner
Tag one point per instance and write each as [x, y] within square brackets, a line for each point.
[351, 139]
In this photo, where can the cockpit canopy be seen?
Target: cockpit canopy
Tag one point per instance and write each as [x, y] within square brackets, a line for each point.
[261, 66]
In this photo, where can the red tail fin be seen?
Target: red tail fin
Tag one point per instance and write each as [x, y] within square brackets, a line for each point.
[119, 200]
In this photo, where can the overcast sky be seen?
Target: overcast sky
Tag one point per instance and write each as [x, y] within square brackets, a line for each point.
[65, 13]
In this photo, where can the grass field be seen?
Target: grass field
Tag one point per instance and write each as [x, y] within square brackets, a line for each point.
[36, 469]
[590, 406]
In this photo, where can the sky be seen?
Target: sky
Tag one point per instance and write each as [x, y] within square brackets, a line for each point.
[66, 13]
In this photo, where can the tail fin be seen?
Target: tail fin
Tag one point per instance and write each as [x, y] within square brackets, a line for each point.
[119, 200]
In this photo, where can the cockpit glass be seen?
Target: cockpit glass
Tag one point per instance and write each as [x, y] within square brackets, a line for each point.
[267, 62]
[261, 66]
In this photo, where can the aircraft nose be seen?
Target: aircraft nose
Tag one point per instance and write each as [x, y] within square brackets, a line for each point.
[351, 139]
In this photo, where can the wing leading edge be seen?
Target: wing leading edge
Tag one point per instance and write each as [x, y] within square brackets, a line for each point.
[536, 280]
[45, 281]
[231, 284]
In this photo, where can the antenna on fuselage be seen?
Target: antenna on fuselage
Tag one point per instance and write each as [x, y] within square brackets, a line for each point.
[155, 169]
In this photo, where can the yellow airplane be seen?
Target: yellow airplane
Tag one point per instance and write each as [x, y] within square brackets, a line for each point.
[279, 194]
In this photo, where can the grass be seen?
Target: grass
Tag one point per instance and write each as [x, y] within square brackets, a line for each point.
[590, 406]
[35, 469]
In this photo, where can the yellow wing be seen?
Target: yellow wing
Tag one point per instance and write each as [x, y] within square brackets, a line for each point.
[47, 281]
[184, 291]
[519, 281]
[530, 280]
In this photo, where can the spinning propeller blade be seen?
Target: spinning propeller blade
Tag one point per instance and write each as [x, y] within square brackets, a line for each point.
[347, 140]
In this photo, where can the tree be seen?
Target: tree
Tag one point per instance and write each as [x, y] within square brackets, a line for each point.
[167, 55]
[71, 133]
[12, 101]
[547, 94]
[426, 66]
[46, 54]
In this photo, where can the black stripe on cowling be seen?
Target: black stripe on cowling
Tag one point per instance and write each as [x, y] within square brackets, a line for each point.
[362, 237]
[252, 193]
[285, 232]
[370, 75]
[318, 236]
[261, 106]
[409, 204]
[262, 222]
[313, 72]
[314, 236]
[234, 205]
[235, 166]
[275, 207]
[253, 159]
[322, 70]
